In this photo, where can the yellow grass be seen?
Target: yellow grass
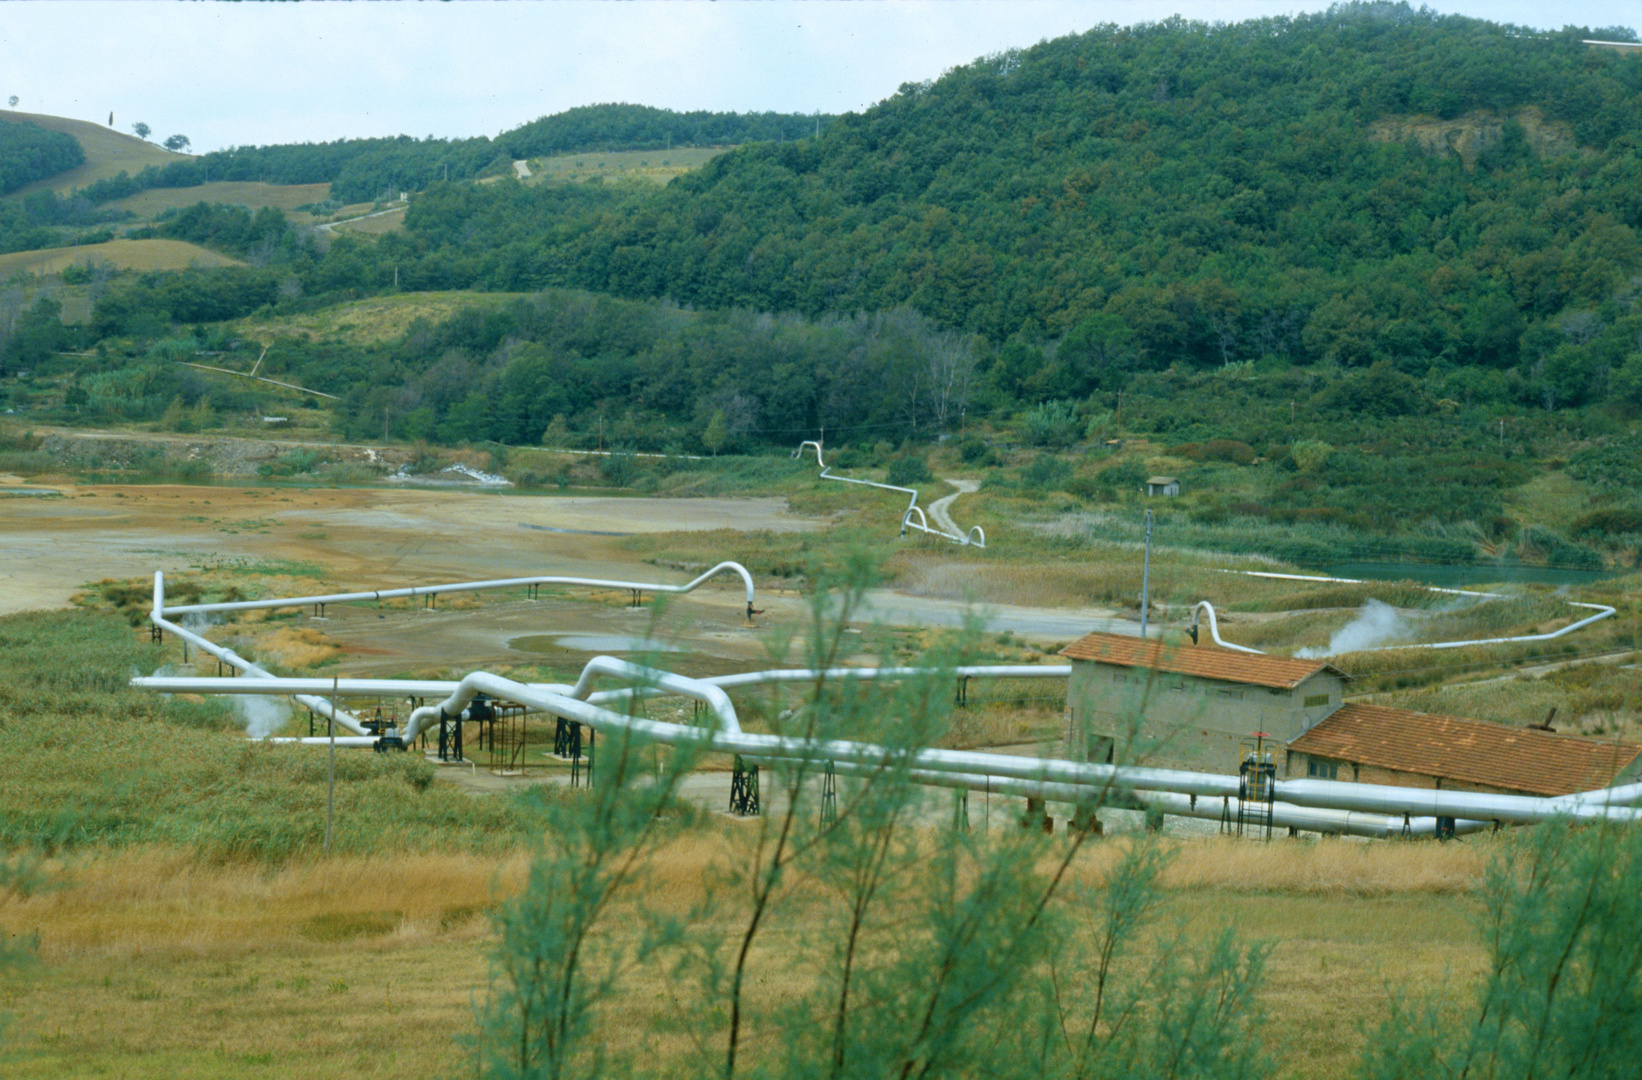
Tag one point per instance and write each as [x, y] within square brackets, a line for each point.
[109, 151]
[121, 254]
[296, 647]
[373, 321]
[252, 194]
[154, 965]
[657, 165]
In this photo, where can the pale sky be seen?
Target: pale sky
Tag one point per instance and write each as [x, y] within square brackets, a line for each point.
[256, 73]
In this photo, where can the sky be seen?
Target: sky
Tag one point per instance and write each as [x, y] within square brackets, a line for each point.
[241, 74]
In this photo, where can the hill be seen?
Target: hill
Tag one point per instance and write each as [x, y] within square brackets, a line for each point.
[1168, 193]
[29, 152]
[361, 170]
[591, 128]
[143, 255]
[251, 194]
[107, 153]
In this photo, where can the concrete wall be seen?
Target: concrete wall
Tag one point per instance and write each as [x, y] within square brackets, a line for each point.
[1183, 722]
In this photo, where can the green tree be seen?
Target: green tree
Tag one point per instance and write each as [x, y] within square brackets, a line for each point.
[717, 433]
[1562, 995]
[176, 143]
[922, 952]
[141, 129]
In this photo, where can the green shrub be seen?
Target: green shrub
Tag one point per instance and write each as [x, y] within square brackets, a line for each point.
[1053, 424]
[1607, 524]
[909, 470]
[1046, 472]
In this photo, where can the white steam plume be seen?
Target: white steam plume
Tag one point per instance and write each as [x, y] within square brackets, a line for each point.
[262, 715]
[1377, 623]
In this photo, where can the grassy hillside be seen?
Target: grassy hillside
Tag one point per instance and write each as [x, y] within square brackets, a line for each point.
[143, 255]
[253, 194]
[658, 165]
[108, 153]
[375, 321]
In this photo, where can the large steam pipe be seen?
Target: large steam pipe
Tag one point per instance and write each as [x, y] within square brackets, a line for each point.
[1089, 777]
[1283, 816]
[319, 705]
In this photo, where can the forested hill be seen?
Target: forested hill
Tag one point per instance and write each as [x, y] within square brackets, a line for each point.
[1369, 182]
[363, 169]
[640, 127]
[29, 152]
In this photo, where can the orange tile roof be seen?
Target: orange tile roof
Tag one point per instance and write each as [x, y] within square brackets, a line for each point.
[1517, 759]
[1203, 661]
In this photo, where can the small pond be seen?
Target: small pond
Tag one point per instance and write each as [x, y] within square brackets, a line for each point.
[1463, 575]
[593, 643]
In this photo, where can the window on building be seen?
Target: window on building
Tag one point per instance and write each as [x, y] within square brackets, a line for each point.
[1322, 770]
[1234, 694]
[1314, 700]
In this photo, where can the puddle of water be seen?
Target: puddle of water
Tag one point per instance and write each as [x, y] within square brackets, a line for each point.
[597, 643]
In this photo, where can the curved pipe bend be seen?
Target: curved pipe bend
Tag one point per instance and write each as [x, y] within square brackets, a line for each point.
[1603, 611]
[1214, 629]
[463, 586]
[922, 524]
[318, 704]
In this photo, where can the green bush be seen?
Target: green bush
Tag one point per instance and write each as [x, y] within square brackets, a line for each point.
[1046, 472]
[1053, 424]
[976, 451]
[908, 470]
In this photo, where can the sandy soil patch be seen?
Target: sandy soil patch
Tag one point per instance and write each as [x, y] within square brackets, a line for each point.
[50, 547]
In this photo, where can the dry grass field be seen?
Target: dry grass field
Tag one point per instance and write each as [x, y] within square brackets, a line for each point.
[374, 321]
[252, 194]
[659, 166]
[153, 965]
[109, 151]
[121, 254]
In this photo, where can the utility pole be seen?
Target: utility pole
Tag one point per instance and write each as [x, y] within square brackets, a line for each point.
[1146, 578]
[330, 781]
[1502, 434]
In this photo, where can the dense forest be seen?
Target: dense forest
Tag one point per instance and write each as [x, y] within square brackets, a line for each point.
[360, 170]
[640, 127]
[28, 152]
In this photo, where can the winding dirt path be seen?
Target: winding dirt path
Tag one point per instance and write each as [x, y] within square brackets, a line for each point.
[938, 509]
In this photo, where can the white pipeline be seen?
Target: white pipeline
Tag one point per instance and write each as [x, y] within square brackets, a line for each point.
[1214, 629]
[976, 536]
[467, 586]
[1093, 779]
[1603, 611]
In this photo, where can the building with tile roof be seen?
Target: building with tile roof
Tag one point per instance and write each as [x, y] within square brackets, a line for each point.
[1195, 707]
[1187, 706]
[1375, 744]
